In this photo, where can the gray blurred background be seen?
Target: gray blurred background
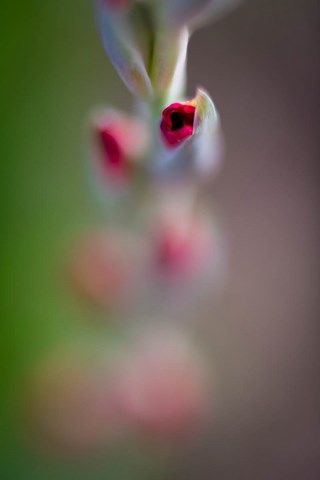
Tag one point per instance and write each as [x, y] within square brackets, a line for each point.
[261, 64]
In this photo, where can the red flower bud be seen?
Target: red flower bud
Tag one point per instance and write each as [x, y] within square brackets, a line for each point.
[177, 123]
[120, 140]
[113, 156]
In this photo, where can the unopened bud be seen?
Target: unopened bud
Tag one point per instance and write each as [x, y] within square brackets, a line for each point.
[119, 143]
[163, 385]
[101, 268]
[177, 123]
[192, 139]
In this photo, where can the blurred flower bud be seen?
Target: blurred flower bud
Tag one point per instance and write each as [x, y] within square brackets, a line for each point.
[185, 245]
[120, 42]
[183, 264]
[111, 270]
[101, 268]
[181, 235]
[162, 386]
[181, 248]
[173, 250]
[119, 142]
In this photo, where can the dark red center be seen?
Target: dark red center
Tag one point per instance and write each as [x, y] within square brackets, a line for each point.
[113, 157]
[177, 123]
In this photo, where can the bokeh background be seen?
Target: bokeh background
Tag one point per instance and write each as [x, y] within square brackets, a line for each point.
[261, 65]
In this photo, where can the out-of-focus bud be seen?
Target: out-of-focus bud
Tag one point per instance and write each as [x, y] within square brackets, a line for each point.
[191, 134]
[181, 249]
[182, 237]
[119, 142]
[69, 407]
[120, 43]
[193, 12]
[110, 270]
[162, 386]
[102, 268]
[174, 251]
[188, 255]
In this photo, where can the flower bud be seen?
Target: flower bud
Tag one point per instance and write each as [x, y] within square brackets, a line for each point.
[191, 134]
[101, 269]
[119, 142]
[111, 270]
[177, 123]
[162, 386]
[181, 248]
[187, 258]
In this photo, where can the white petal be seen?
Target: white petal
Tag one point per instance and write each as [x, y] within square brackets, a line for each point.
[208, 142]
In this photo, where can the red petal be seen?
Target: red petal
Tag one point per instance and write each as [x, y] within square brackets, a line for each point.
[177, 123]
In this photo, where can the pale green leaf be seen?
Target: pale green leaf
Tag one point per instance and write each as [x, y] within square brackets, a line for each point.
[119, 42]
[193, 12]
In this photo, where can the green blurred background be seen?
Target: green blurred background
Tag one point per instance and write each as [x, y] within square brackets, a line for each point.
[53, 72]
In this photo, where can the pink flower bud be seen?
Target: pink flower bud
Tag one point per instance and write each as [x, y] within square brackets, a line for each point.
[177, 123]
[101, 268]
[119, 142]
[183, 243]
[183, 248]
[162, 387]
[173, 250]
[187, 258]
